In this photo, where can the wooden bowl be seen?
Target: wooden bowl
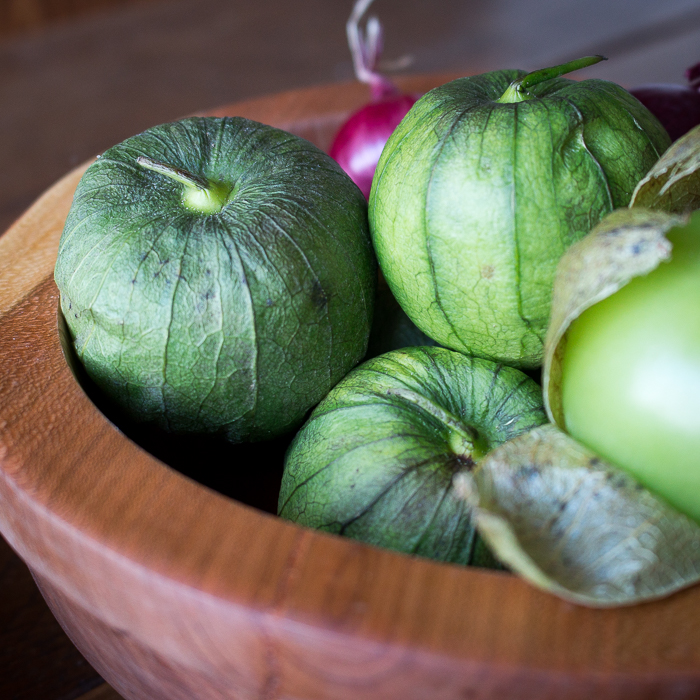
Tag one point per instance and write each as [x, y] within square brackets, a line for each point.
[172, 590]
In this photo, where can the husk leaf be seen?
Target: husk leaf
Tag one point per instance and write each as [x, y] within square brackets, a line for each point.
[673, 183]
[575, 526]
[625, 244]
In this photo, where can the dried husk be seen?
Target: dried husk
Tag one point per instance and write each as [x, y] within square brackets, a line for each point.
[673, 183]
[576, 526]
[625, 244]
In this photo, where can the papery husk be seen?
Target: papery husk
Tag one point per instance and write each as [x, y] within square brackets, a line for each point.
[475, 200]
[625, 244]
[576, 526]
[673, 183]
[376, 459]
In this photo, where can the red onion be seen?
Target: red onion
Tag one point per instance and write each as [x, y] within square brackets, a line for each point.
[677, 107]
[360, 140]
[692, 75]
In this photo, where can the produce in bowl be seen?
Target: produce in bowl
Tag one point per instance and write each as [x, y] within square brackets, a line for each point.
[425, 451]
[359, 142]
[484, 185]
[217, 276]
[377, 458]
[623, 350]
[630, 373]
[601, 507]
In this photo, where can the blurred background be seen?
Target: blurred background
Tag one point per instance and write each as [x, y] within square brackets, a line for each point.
[77, 76]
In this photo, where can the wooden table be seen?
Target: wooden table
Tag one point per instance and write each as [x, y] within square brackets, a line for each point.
[71, 90]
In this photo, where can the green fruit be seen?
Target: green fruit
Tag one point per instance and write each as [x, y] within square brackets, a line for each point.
[377, 458]
[217, 276]
[630, 378]
[485, 184]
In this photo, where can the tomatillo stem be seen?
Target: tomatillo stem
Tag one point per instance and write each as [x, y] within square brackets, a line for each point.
[464, 440]
[517, 91]
[199, 195]
[177, 174]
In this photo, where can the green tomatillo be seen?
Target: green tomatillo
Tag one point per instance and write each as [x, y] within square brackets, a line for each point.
[630, 374]
[217, 276]
[484, 185]
[377, 458]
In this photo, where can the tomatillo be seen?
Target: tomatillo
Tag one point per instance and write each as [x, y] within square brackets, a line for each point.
[483, 186]
[377, 459]
[630, 374]
[217, 276]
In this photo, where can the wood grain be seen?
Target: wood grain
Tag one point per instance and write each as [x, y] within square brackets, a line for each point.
[174, 591]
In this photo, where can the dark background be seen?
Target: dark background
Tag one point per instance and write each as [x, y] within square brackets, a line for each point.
[77, 76]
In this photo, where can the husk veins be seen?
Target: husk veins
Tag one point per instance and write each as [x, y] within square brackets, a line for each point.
[576, 526]
[474, 202]
[236, 320]
[377, 457]
[626, 244]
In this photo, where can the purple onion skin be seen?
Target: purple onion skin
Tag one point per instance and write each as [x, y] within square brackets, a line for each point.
[692, 75]
[677, 107]
[359, 142]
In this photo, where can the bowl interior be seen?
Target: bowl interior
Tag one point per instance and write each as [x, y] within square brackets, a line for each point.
[206, 459]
